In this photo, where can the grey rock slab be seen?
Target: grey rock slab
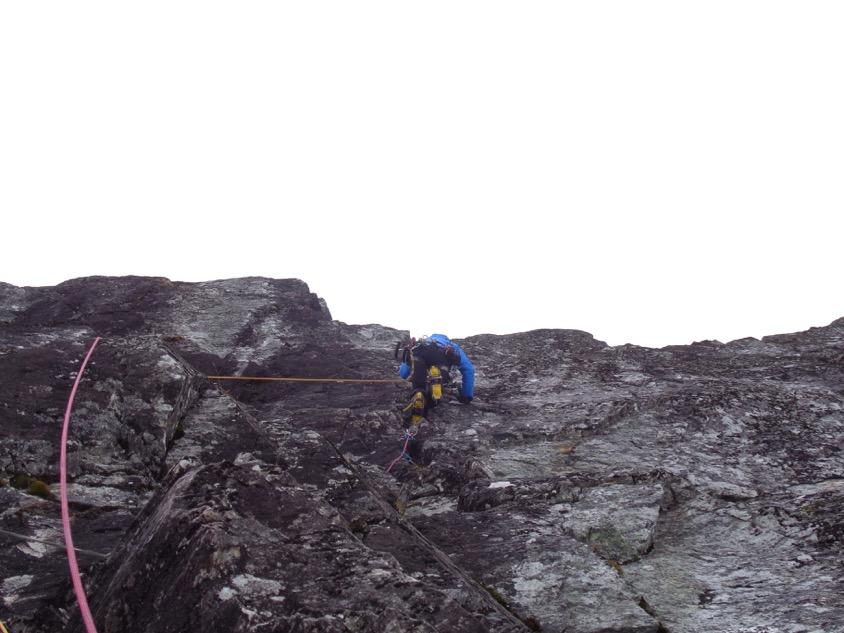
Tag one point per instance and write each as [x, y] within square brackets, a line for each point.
[99, 496]
[618, 520]
[713, 568]
[548, 578]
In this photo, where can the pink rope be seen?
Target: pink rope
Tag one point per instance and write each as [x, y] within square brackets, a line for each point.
[68, 539]
[407, 437]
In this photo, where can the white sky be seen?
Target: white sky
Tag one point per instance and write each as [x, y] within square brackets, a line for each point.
[651, 172]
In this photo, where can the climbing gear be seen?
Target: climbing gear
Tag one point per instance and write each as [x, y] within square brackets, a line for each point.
[409, 434]
[403, 349]
[446, 376]
[358, 381]
[415, 410]
[435, 384]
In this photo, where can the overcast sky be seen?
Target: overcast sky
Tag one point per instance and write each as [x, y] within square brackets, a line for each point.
[650, 172]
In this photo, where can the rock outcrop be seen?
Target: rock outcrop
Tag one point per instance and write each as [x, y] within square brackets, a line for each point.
[587, 489]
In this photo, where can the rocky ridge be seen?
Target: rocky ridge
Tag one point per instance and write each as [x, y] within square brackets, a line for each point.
[588, 488]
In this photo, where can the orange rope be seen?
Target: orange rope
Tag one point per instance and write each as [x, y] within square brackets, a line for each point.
[280, 379]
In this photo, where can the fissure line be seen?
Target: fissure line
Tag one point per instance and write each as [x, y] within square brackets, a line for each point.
[24, 537]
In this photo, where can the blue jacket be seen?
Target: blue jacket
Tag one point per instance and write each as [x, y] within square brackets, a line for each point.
[467, 369]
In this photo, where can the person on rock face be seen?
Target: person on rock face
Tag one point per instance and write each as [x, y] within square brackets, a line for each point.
[417, 358]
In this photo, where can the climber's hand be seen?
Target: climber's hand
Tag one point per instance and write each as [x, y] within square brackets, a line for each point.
[463, 399]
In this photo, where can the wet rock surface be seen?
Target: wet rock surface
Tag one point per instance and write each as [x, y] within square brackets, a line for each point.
[586, 489]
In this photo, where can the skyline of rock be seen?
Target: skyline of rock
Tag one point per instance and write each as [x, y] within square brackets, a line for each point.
[588, 488]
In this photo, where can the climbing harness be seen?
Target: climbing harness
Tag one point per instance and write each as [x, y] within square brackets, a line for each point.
[78, 589]
[402, 352]
[409, 434]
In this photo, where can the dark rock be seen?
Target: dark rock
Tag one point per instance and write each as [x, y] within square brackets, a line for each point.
[258, 550]
[587, 488]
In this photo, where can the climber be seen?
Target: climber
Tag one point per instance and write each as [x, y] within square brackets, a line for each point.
[421, 362]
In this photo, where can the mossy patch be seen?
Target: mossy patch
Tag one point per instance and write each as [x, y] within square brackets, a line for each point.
[39, 489]
[400, 505]
[530, 622]
[497, 596]
[609, 543]
[21, 481]
[31, 485]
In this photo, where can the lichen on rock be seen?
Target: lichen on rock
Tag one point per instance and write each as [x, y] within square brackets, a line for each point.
[588, 488]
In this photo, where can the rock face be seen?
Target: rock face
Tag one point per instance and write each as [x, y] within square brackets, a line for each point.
[587, 489]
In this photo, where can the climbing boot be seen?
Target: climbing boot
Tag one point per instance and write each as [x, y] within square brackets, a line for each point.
[415, 410]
